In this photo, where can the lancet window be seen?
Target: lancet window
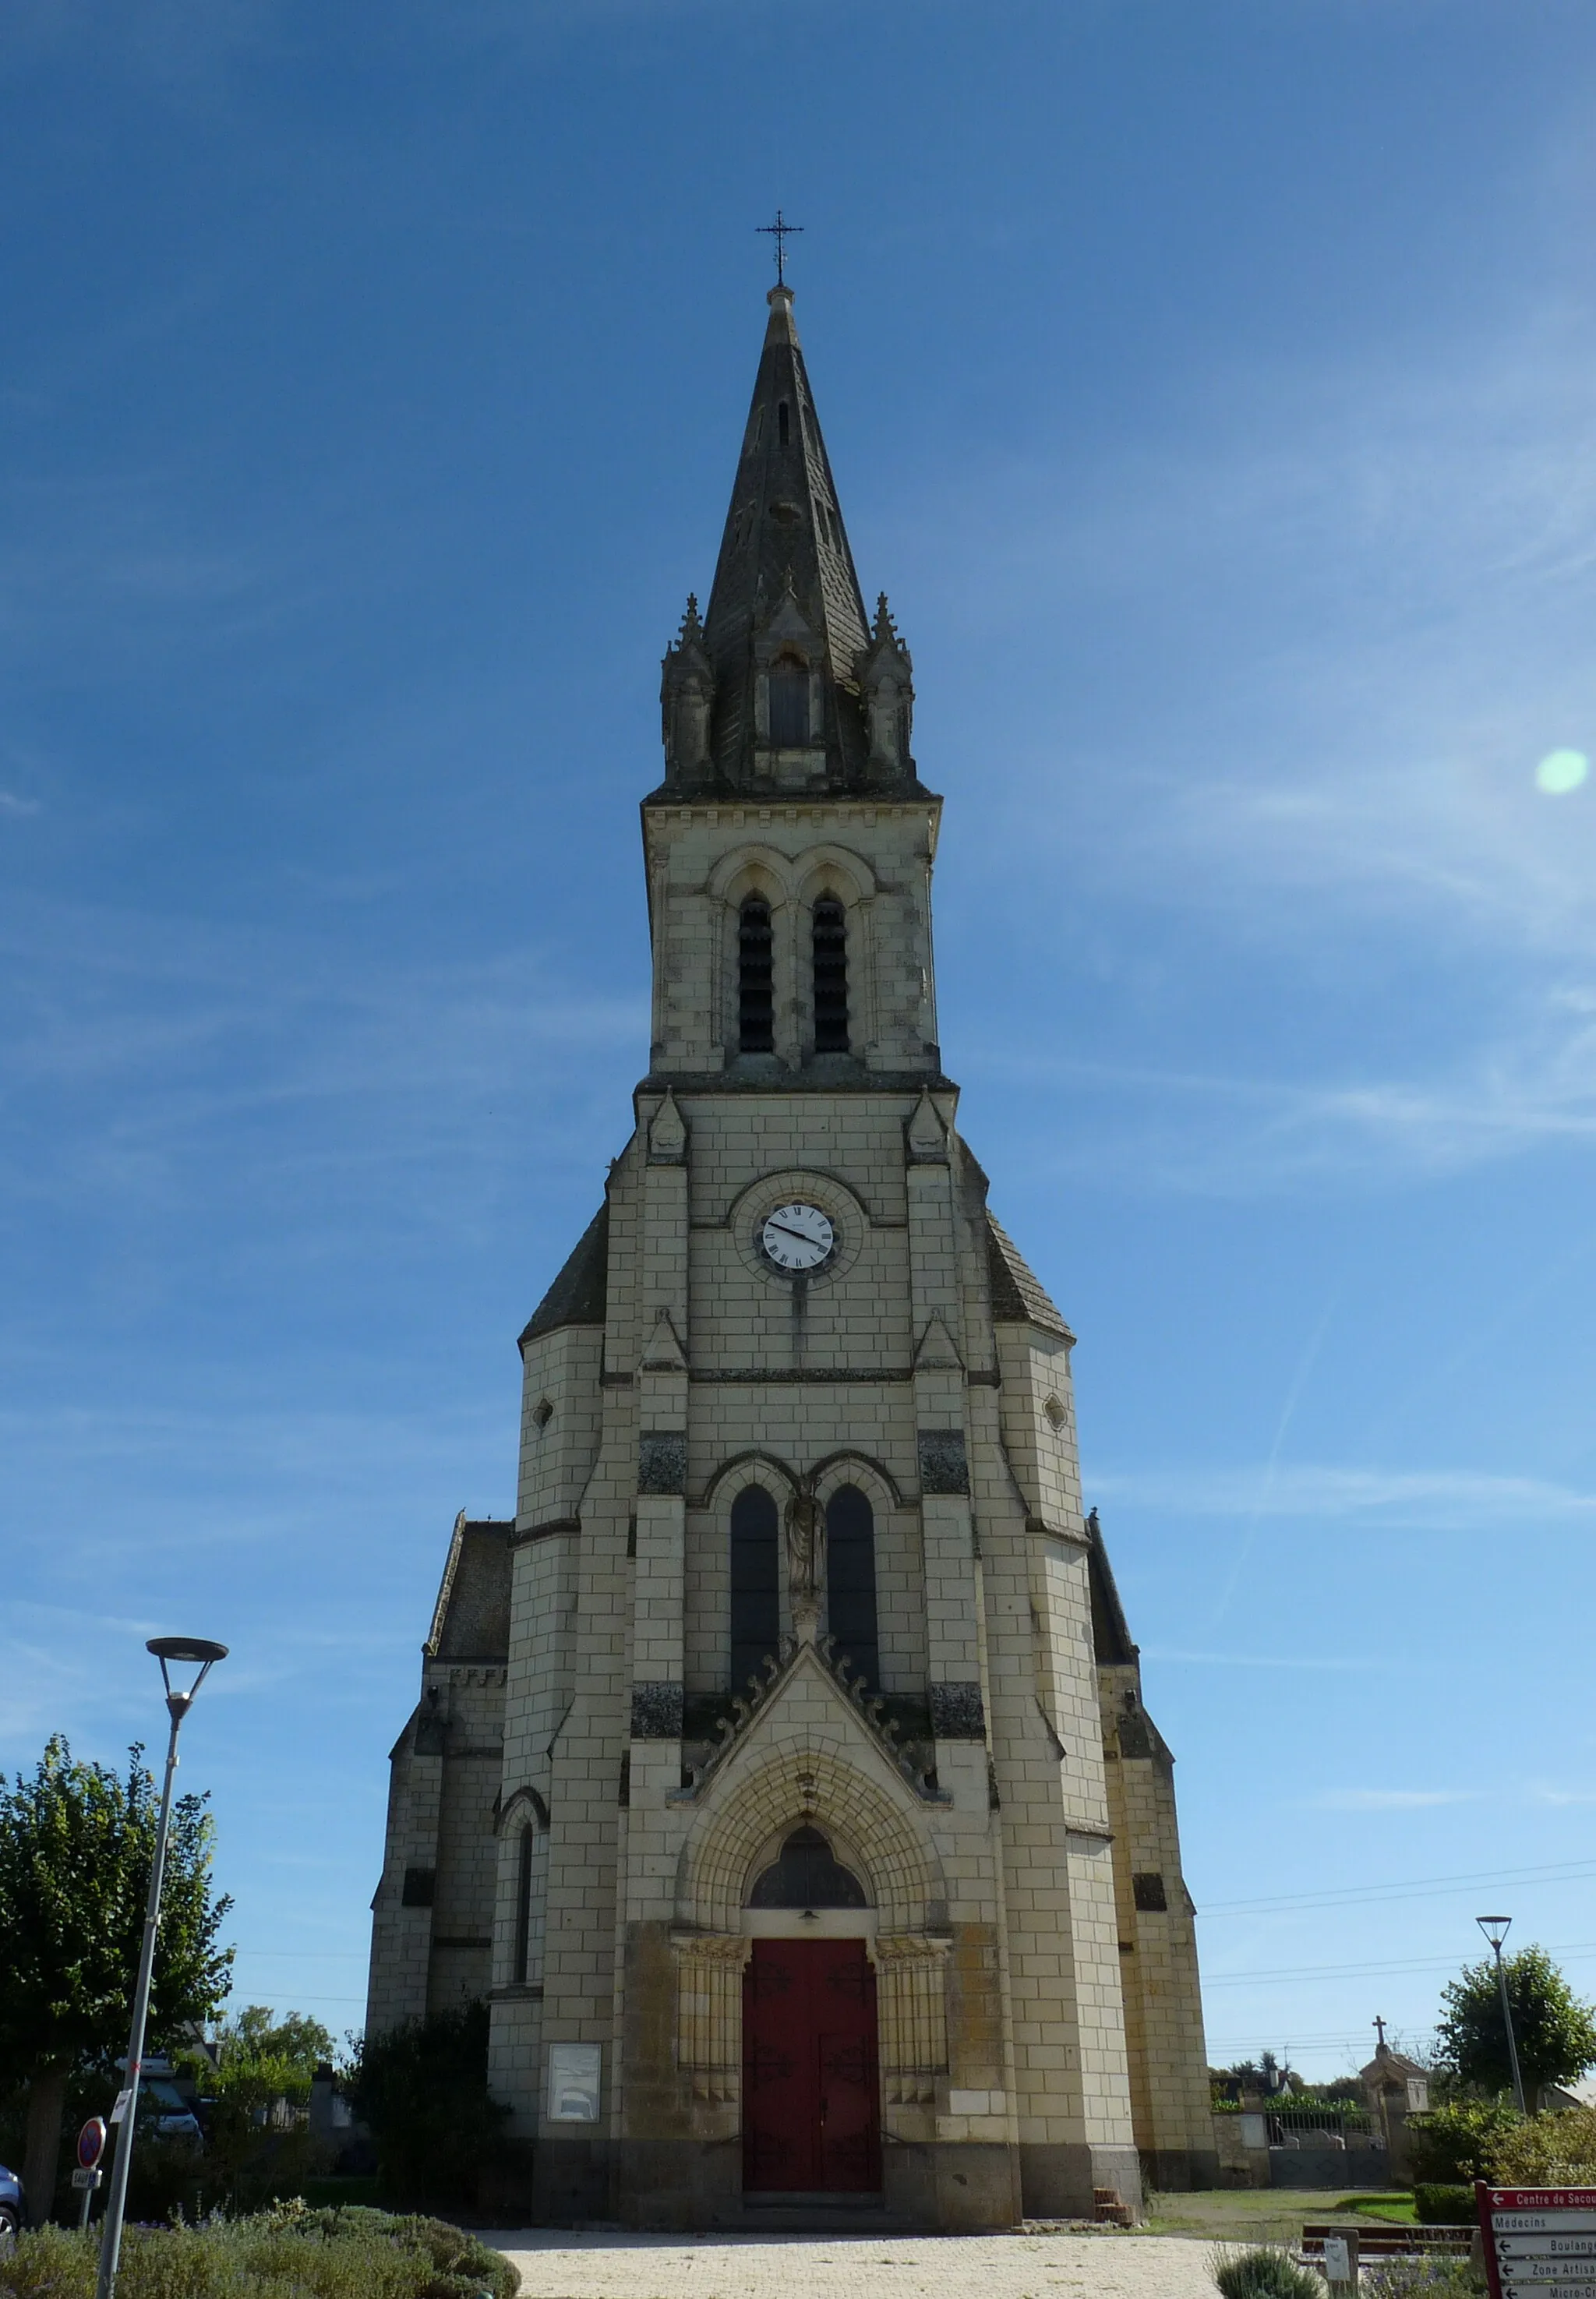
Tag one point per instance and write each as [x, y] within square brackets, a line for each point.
[523, 1906]
[756, 1008]
[851, 1581]
[756, 1584]
[831, 976]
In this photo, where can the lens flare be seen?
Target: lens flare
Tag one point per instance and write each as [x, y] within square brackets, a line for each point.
[1561, 771]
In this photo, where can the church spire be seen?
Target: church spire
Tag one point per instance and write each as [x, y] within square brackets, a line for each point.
[785, 637]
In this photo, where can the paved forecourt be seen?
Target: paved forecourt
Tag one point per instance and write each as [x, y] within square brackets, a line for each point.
[556, 2264]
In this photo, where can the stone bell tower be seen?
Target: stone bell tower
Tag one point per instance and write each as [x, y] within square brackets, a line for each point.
[833, 1856]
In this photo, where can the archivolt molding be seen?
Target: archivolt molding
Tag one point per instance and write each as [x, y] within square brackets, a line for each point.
[851, 1468]
[802, 1782]
[758, 867]
[752, 1467]
[834, 870]
[525, 1808]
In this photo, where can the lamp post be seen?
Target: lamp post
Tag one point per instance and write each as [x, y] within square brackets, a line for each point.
[1496, 1929]
[186, 1651]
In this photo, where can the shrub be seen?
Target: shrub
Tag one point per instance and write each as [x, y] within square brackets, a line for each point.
[1264, 2273]
[1556, 2149]
[422, 2088]
[1458, 2142]
[1420, 2278]
[289, 2252]
[1437, 2205]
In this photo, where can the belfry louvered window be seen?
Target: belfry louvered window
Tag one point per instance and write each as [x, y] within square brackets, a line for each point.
[831, 976]
[755, 1000]
[851, 1581]
[789, 703]
[755, 1599]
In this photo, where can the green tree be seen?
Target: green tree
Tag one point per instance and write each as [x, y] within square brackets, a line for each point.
[76, 1847]
[270, 2058]
[1555, 2032]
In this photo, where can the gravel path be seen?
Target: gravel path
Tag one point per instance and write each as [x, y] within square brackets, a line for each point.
[556, 2264]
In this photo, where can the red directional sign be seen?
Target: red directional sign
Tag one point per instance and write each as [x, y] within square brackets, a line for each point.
[91, 2141]
[1540, 2242]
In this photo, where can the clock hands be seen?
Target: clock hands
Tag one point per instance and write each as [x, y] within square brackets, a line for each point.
[802, 1236]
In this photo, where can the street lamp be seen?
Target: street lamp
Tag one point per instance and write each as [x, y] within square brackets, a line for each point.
[196, 1652]
[1496, 1930]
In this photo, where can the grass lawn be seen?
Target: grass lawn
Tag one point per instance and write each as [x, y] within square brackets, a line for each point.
[1264, 2214]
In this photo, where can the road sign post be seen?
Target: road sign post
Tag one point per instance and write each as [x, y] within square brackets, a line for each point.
[91, 2146]
[1540, 2243]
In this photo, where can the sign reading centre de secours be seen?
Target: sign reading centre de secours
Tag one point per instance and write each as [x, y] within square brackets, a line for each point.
[1539, 2241]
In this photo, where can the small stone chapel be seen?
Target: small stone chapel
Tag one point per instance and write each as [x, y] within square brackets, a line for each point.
[780, 1775]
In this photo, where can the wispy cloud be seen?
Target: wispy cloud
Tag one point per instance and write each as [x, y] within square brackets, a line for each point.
[11, 803]
[1391, 1799]
[1366, 591]
[1422, 1500]
[1291, 1661]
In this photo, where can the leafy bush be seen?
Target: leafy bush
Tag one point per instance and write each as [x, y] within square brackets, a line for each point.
[287, 2253]
[1420, 2278]
[1458, 2142]
[1439, 2204]
[1556, 2149]
[1264, 2273]
[422, 2088]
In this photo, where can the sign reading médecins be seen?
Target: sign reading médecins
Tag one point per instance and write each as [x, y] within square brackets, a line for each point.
[1540, 2242]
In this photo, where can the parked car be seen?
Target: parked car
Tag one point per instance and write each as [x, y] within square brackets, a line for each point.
[13, 2211]
[163, 2108]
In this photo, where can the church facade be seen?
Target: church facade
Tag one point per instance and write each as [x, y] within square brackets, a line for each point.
[780, 1775]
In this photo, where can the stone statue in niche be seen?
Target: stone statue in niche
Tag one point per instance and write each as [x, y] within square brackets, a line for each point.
[805, 1529]
[885, 712]
[692, 725]
[686, 693]
[887, 683]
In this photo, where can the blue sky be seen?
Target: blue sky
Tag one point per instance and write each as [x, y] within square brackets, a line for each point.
[1210, 384]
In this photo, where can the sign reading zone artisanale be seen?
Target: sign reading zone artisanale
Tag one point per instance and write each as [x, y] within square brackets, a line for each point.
[1540, 2242]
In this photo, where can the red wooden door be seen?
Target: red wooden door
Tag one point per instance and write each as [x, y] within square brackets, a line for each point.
[810, 2091]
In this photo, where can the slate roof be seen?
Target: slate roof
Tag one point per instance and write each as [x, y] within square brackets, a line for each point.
[578, 1295]
[471, 1618]
[1111, 1632]
[784, 525]
[1017, 1297]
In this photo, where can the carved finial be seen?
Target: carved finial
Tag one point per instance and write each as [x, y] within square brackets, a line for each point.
[692, 628]
[884, 627]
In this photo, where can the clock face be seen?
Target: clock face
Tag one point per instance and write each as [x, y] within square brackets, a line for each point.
[797, 1237]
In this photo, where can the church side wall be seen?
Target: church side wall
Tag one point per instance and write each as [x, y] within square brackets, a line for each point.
[1070, 2050]
[462, 1909]
[401, 1936]
[1159, 1967]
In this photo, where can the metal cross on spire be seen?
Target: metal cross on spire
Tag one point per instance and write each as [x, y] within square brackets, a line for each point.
[780, 232]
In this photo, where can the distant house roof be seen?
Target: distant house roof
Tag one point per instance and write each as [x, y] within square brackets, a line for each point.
[471, 1618]
[1017, 1297]
[578, 1295]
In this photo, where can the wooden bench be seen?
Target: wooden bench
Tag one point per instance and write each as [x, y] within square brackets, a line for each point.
[1386, 2239]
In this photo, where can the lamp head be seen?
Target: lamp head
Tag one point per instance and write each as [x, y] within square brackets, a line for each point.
[1495, 1929]
[195, 1652]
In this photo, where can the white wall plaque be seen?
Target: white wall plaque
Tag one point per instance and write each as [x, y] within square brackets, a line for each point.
[574, 2083]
